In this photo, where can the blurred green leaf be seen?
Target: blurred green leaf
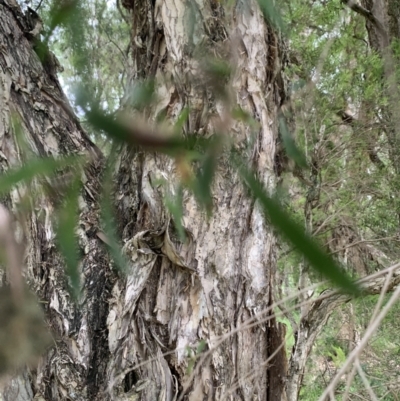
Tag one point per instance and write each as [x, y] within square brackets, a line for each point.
[107, 216]
[218, 69]
[201, 186]
[45, 166]
[201, 347]
[182, 119]
[241, 115]
[295, 234]
[68, 218]
[174, 206]
[290, 146]
[135, 135]
[217, 73]
[193, 355]
[272, 14]
[60, 13]
[338, 356]
[142, 94]
[191, 360]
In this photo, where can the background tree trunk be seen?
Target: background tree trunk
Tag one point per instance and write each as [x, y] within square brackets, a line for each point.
[132, 337]
[382, 23]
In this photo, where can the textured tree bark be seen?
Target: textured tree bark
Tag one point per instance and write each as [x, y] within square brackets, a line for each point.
[32, 103]
[132, 337]
[169, 308]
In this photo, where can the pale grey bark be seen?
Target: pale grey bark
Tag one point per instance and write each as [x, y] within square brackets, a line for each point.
[32, 104]
[232, 252]
[132, 337]
[129, 336]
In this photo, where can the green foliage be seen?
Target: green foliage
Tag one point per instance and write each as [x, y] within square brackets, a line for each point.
[311, 391]
[289, 339]
[338, 356]
[91, 40]
[67, 223]
[295, 234]
[174, 206]
[34, 169]
[348, 195]
[291, 148]
[272, 14]
[342, 189]
[193, 354]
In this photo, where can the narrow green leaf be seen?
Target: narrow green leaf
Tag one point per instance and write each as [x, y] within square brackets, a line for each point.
[113, 242]
[174, 206]
[291, 148]
[201, 187]
[68, 219]
[107, 217]
[46, 166]
[182, 119]
[135, 136]
[295, 234]
[271, 14]
[191, 360]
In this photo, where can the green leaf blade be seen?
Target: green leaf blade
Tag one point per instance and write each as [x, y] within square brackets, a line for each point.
[319, 260]
[68, 219]
[33, 168]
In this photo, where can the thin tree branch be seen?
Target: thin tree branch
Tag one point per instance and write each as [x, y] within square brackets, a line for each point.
[365, 13]
[363, 242]
[353, 122]
[357, 351]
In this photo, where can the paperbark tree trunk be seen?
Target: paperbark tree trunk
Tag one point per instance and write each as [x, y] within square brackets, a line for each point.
[134, 337]
[382, 18]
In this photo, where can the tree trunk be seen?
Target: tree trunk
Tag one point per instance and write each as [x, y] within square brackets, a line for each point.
[135, 337]
[383, 27]
[32, 101]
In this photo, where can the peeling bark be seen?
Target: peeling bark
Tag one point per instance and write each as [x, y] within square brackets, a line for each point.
[130, 337]
[227, 270]
[31, 99]
[134, 337]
